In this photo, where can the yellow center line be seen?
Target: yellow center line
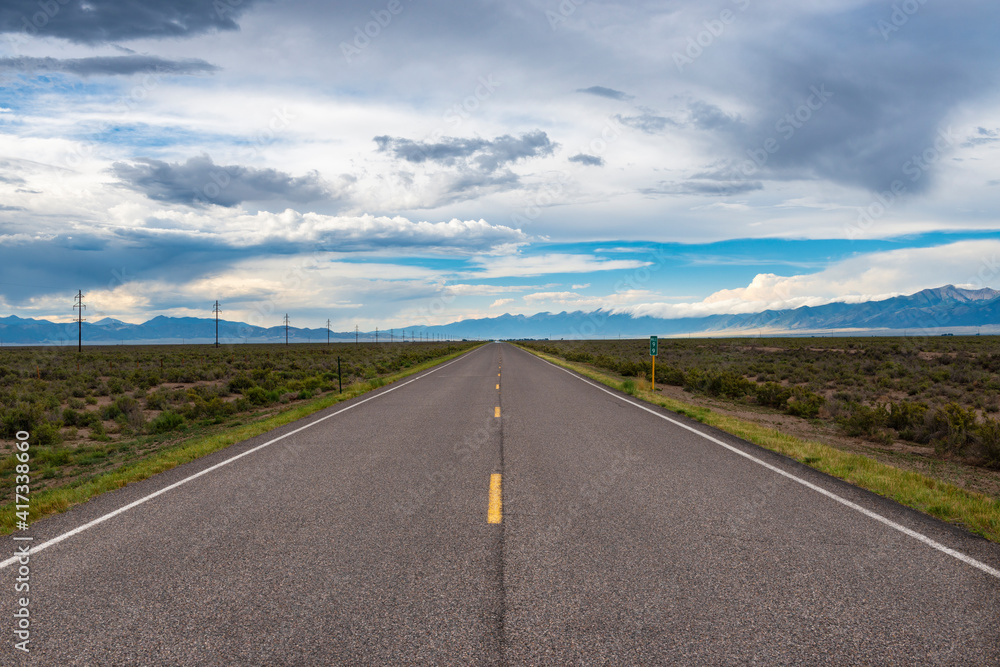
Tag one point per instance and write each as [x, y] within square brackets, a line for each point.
[498, 386]
[496, 411]
[495, 514]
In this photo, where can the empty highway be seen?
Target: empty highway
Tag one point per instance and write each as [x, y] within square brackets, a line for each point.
[500, 510]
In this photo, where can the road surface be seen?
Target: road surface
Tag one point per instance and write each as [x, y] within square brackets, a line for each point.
[500, 510]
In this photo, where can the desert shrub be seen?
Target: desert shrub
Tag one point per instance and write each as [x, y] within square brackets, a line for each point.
[864, 420]
[156, 401]
[772, 395]
[669, 375]
[240, 383]
[21, 417]
[71, 417]
[166, 421]
[906, 416]
[952, 428]
[628, 386]
[804, 403]
[988, 441]
[257, 396]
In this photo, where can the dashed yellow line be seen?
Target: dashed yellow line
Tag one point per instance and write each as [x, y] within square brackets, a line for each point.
[498, 386]
[495, 513]
[496, 411]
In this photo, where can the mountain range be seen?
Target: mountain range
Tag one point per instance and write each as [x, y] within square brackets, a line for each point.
[947, 309]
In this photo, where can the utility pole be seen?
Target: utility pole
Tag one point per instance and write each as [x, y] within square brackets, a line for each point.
[355, 335]
[376, 335]
[286, 328]
[328, 332]
[217, 310]
[78, 305]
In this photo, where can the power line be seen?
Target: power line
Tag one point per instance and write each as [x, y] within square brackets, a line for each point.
[216, 310]
[78, 306]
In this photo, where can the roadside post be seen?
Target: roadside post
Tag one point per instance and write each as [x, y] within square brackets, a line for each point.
[652, 352]
[340, 378]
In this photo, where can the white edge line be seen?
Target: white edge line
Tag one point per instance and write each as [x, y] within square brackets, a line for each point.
[829, 494]
[79, 529]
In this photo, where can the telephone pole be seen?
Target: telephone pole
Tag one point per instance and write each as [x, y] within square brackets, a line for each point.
[376, 335]
[328, 332]
[216, 310]
[78, 305]
[286, 328]
[355, 335]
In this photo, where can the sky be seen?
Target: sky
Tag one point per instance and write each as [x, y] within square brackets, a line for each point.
[409, 162]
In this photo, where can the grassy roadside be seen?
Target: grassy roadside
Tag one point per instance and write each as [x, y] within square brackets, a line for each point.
[59, 499]
[977, 513]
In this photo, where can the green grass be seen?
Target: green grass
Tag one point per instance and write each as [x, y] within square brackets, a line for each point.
[976, 512]
[60, 499]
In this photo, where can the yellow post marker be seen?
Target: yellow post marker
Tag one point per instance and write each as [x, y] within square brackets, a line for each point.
[495, 512]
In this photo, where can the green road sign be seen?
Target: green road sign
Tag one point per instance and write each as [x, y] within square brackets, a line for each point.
[652, 346]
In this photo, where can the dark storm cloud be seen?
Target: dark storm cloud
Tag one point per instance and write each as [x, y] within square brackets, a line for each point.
[696, 186]
[834, 99]
[107, 65]
[710, 117]
[589, 160]
[480, 165]
[200, 181]
[99, 21]
[647, 121]
[601, 91]
[487, 156]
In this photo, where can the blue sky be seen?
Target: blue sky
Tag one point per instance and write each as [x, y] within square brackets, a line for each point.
[396, 163]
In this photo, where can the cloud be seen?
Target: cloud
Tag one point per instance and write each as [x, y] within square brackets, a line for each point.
[474, 166]
[703, 186]
[610, 93]
[103, 21]
[589, 160]
[501, 302]
[552, 263]
[710, 117]
[648, 121]
[869, 277]
[199, 181]
[484, 156]
[108, 65]
[982, 136]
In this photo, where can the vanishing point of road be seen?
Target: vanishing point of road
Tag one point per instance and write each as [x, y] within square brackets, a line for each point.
[500, 510]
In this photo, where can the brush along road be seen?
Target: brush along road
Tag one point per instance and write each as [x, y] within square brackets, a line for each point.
[498, 509]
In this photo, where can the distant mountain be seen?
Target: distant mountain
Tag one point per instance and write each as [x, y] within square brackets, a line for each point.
[942, 309]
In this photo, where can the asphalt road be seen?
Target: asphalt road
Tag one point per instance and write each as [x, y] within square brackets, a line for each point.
[366, 538]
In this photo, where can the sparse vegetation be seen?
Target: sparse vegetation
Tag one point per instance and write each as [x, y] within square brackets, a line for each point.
[102, 411]
[939, 392]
